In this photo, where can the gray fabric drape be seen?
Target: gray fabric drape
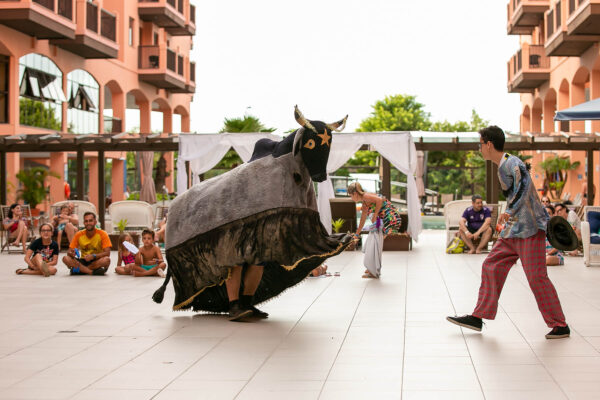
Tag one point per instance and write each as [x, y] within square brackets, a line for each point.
[419, 173]
[147, 191]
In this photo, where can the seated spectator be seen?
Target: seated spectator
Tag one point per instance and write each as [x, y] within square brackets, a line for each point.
[89, 251]
[17, 226]
[125, 256]
[562, 211]
[159, 235]
[546, 201]
[553, 256]
[475, 225]
[149, 261]
[66, 221]
[42, 254]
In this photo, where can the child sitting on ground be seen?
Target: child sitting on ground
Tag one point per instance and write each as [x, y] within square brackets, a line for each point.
[62, 221]
[149, 261]
[125, 257]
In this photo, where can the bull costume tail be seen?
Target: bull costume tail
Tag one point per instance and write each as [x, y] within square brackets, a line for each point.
[159, 294]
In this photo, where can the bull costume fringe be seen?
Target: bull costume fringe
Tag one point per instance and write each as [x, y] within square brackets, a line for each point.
[263, 212]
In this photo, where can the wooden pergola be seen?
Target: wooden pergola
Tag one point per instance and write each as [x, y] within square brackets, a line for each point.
[102, 143]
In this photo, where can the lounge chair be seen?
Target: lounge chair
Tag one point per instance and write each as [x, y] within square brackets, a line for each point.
[453, 211]
[4, 234]
[139, 215]
[591, 251]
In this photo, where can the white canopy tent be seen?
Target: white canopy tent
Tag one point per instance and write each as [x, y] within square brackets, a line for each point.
[204, 151]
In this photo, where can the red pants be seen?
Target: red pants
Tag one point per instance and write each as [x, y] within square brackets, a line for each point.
[532, 252]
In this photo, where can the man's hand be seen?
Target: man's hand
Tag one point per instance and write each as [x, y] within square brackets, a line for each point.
[71, 253]
[503, 218]
[469, 235]
[476, 235]
[374, 218]
[89, 257]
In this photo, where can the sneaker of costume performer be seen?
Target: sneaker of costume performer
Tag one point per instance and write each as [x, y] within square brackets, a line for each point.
[240, 306]
[523, 237]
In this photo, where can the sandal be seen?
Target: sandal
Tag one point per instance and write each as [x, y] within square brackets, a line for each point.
[368, 276]
[19, 271]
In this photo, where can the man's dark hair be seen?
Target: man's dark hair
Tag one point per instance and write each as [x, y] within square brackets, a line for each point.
[89, 213]
[563, 205]
[551, 208]
[476, 197]
[493, 134]
[147, 232]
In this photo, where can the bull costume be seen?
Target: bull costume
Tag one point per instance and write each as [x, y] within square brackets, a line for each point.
[262, 213]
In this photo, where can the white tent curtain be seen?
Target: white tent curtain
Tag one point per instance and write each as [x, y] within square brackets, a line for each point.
[204, 151]
[419, 173]
[147, 191]
[397, 147]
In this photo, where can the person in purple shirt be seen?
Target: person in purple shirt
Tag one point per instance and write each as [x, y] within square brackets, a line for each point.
[476, 224]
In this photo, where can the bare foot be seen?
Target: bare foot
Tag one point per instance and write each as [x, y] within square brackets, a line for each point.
[471, 251]
[478, 251]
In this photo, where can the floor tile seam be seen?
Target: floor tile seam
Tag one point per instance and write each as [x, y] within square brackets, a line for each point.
[129, 360]
[343, 340]
[91, 319]
[289, 331]
[436, 257]
[190, 367]
[537, 357]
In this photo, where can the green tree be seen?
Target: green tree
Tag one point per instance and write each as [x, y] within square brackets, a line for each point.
[393, 113]
[246, 124]
[556, 171]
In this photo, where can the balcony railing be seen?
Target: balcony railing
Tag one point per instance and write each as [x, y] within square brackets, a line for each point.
[528, 68]
[108, 25]
[193, 14]
[193, 72]
[49, 4]
[550, 24]
[91, 17]
[171, 59]
[112, 125]
[65, 8]
[180, 65]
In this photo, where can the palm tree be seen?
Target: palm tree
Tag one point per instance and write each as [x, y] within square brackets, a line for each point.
[246, 124]
[556, 172]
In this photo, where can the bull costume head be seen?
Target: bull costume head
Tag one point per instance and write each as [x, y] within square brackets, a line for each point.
[313, 143]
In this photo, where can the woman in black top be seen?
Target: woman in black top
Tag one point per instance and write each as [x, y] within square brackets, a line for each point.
[42, 254]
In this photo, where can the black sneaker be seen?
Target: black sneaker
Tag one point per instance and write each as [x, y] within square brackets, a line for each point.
[236, 312]
[467, 321]
[559, 332]
[99, 271]
[258, 313]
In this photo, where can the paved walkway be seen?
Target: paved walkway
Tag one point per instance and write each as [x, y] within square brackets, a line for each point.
[329, 338]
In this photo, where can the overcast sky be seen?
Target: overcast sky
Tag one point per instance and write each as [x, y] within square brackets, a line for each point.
[334, 57]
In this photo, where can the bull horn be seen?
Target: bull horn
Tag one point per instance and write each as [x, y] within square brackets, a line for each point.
[339, 125]
[301, 120]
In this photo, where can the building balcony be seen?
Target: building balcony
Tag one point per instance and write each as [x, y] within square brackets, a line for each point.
[190, 77]
[558, 40]
[96, 33]
[525, 15]
[43, 19]
[176, 16]
[162, 67]
[528, 69]
[584, 17]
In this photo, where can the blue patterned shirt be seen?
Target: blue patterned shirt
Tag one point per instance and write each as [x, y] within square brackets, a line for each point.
[527, 214]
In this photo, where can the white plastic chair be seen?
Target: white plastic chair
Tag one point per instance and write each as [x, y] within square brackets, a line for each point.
[139, 215]
[591, 252]
[453, 211]
[82, 208]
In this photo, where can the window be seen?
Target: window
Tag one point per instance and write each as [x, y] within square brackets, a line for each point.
[84, 96]
[41, 93]
[4, 61]
[131, 31]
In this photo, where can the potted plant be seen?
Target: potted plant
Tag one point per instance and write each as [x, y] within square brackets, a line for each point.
[34, 192]
[338, 224]
[121, 225]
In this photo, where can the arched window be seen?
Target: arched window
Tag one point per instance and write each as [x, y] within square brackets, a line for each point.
[41, 94]
[84, 96]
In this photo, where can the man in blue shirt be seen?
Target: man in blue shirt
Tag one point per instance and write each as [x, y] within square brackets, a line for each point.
[475, 225]
[523, 237]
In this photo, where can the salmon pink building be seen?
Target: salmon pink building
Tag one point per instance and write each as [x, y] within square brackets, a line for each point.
[77, 66]
[556, 67]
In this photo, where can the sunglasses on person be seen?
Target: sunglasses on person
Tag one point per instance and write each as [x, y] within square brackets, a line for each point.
[45, 230]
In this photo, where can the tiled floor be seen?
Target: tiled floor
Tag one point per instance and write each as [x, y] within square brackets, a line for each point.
[328, 338]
